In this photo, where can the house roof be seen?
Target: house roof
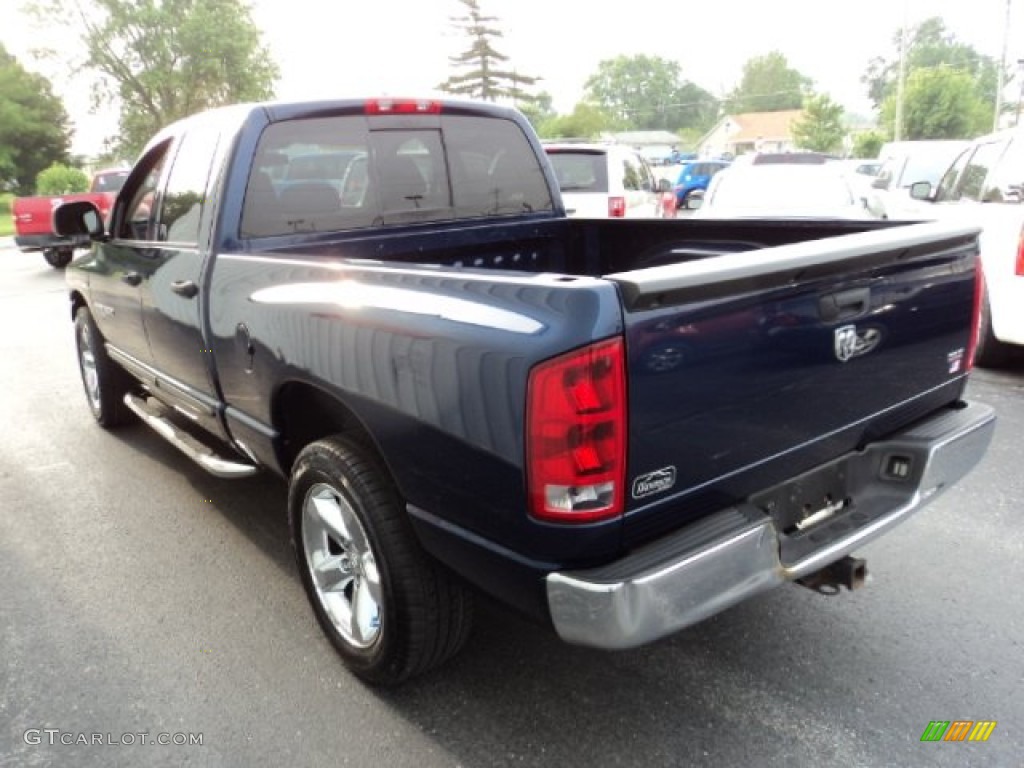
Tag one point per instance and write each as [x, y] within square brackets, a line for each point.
[763, 125]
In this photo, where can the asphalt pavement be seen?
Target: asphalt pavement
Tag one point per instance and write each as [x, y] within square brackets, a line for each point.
[143, 600]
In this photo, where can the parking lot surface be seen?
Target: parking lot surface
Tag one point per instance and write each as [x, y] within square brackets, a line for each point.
[142, 596]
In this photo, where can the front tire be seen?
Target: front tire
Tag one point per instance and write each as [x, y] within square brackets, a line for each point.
[105, 383]
[389, 610]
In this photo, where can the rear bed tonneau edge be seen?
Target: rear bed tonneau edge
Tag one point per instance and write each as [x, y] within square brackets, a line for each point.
[704, 278]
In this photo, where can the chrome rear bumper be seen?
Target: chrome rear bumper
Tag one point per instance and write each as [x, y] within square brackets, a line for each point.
[738, 552]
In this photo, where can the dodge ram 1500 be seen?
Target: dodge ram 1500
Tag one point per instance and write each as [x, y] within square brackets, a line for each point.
[617, 427]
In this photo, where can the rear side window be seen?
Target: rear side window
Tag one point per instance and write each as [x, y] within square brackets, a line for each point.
[632, 180]
[580, 171]
[338, 173]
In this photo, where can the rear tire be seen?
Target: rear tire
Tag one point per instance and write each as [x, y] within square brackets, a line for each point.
[105, 382]
[390, 611]
[58, 258]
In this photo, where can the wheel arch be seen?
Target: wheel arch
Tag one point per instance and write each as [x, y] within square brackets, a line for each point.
[303, 413]
[77, 301]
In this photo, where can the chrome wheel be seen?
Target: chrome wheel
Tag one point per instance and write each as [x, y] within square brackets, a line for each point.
[342, 565]
[87, 362]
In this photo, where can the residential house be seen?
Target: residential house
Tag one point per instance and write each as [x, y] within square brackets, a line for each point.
[735, 135]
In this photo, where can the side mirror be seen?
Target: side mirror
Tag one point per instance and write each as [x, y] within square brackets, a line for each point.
[664, 185]
[880, 183]
[695, 200]
[921, 190]
[77, 219]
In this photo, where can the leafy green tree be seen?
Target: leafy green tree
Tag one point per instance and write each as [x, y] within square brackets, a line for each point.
[484, 73]
[649, 93]
[820, 129]
[768, 84]
[586, 121]
[931, 45]
[940, 103]
[161, 60]
[867, 144]
[539, 111]
[33, 126]
[60, 179]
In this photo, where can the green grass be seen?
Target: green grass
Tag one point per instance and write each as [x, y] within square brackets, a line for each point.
[6, 222]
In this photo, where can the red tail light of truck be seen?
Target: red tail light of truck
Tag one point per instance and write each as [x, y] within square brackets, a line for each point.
[616, 207]
[576, 435]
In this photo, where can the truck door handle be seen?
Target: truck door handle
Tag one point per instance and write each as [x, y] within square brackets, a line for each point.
[838, 306]
[185, 288]
[131, 278]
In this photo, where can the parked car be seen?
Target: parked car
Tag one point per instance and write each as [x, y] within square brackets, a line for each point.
[695, 176]
[985, 185]
[604, 181]
[778, 190]
[904, 163]
[33, 217]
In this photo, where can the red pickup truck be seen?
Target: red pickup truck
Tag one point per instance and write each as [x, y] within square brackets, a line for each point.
[33, 217]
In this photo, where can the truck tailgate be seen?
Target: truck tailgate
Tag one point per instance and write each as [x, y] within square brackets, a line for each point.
[747, 369]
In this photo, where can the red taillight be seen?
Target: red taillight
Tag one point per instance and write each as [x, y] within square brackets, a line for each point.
[1018, 267]
[979, 296]
[403, 107]
[576, 435]
[616, 207]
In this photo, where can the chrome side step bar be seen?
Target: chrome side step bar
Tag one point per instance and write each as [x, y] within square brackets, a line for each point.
[201, 454]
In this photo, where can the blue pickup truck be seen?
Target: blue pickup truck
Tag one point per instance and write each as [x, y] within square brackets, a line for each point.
[616, 427]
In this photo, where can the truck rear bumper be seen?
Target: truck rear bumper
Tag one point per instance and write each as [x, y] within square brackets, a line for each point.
[42, 242]
[738, 552]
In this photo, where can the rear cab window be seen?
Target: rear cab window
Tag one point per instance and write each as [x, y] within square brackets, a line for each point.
[342, 173]
[580, 170]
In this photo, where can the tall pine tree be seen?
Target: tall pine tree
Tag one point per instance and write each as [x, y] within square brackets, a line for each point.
[484, 73]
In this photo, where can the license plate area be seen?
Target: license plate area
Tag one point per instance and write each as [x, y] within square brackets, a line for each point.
[830, 502]
[800, 504]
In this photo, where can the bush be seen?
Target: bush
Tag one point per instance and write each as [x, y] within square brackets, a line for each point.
[867, 144]
[6, 224]
[59, 179]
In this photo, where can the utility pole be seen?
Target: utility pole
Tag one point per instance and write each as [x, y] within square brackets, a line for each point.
[1001, 80]
[897, 131]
